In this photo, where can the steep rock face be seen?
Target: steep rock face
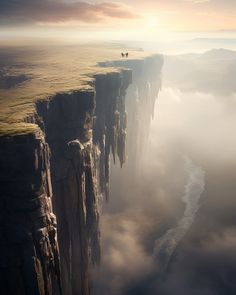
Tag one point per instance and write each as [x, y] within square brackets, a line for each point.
[110, 122]
[29, 260]
[68, 120]
[140, 102]
[81, 136]
[141, 98]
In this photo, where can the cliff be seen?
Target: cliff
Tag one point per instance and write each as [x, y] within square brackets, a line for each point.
[62, 165]
[29, 259]
[141, 97]
[81, 131]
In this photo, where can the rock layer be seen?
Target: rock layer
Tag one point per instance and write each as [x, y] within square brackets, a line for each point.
[29, 260]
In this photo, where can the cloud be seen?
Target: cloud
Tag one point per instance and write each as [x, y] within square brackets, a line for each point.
[51, 11]
[120, 238]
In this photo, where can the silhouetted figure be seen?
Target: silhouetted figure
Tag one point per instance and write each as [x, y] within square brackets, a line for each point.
[124, 54]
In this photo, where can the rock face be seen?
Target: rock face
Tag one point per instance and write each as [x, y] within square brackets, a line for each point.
[29, 261]
[68, 120]
[140, 102]
[68, 158]
[111, 122]
[81, 128]
[141, 98]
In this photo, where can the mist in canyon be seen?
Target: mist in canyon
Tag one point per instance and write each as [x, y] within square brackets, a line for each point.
[117, 147]
[169, 226]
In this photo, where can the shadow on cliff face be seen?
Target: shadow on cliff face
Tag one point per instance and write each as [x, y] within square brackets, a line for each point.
[143, 208]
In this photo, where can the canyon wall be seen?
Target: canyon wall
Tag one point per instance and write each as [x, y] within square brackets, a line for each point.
[29, 259]
[82, 127]
[141, 97]
[64, 168]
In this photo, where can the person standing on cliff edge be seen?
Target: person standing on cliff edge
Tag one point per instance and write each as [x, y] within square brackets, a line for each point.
[125, 54]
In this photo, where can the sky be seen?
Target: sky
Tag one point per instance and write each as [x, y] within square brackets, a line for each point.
[126, 18]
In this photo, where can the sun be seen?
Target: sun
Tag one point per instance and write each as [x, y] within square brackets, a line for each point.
[152, 21]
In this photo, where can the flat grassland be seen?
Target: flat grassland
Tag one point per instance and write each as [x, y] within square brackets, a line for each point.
[48, 69]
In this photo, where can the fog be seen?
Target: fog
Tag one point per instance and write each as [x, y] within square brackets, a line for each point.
[170, 229]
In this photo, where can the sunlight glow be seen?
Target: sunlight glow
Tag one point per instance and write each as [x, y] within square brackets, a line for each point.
[152, 21]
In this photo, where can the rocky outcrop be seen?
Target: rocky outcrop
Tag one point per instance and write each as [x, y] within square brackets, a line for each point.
[29, 259]
[69, 157]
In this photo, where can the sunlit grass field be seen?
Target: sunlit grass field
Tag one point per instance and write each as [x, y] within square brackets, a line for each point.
[49, 69]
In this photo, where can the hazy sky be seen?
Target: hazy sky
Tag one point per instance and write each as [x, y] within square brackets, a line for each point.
[136, 17]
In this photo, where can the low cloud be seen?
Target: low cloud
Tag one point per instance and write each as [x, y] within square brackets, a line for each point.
[124, 259]
[49, 11]
[141, 211]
